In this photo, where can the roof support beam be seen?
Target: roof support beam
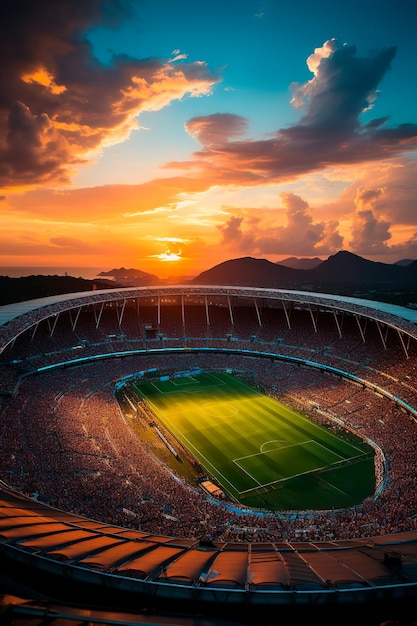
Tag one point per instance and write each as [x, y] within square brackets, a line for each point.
[75, 321]
[120, 312]
[407, 356]
[207, 310]
[35, 328]
[408, 341]
[98, 317]
[378, 325]
[312, 318]
[287, 315]
[230, 309]
[358, 319]
[52, 325]
[336, 319]
[257, 312]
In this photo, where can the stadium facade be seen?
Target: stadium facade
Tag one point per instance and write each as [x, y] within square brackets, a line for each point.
[94, 564]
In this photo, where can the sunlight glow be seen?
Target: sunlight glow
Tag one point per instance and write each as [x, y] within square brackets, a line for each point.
[41, 76]
[168, 255]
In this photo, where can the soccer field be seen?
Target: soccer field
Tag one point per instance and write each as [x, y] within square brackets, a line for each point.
[262, 453]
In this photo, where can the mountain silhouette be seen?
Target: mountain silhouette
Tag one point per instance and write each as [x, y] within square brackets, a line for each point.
[341, 272]
[248, 271]
[346, 267]
[300, 264]
[132, 277]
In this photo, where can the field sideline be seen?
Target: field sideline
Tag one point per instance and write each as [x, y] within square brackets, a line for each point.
[262, 453]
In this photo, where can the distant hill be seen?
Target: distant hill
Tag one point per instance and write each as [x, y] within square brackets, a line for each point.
[248, 271]
[40, 286]
[132, 277]
[348, 268]
[342, 273]
[404, 262]
[300, 264]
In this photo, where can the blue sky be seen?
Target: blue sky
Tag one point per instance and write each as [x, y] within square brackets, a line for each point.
[170, 136]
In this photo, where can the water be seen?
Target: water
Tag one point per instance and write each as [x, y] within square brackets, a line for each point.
[78, 272]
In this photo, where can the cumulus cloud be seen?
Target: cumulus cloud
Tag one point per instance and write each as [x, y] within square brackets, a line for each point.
[261, 235]
[343, 87]
[58, 102]
[397, 178]
[370, 233]
[330, 131]
[406, 249]
[34, 149]
[232, 231]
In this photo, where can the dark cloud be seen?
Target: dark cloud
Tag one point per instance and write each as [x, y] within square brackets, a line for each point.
[217, 128]
[34, 148]
[58, 102]
[330, 131]
[343, 86]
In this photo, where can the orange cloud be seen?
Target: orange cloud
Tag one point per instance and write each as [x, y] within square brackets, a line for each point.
[278, 232]
[109, 202]
[59, 103]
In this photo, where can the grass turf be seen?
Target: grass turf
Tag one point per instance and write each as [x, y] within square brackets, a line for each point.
[261, 452]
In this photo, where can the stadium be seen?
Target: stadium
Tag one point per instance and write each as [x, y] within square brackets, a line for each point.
[97, 520]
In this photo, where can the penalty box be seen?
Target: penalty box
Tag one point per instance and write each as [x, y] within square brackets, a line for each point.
[283, 462]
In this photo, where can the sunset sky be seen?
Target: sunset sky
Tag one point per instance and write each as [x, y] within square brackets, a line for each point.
[170, 136]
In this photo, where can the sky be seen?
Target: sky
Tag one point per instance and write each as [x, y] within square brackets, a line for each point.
[172, 136]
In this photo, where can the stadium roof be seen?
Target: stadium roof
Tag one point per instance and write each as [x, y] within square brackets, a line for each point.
[10, 312]
[254, 580]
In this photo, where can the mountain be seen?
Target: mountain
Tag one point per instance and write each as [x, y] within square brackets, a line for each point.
[300, 264]
[348, 268]
[132, 277]
[248, 271]
[410, 270]
[342, 273]
[39, 286]
[404, 262]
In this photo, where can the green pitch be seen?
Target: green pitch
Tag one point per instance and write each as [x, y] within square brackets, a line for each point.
[262, 453]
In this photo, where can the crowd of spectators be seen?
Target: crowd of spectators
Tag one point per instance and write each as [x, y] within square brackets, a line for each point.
[66, 442]
[63, 439]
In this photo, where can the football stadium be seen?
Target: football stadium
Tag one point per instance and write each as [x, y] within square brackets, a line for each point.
[207, 454]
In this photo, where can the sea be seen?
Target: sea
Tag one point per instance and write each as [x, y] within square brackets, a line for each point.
[77, 272]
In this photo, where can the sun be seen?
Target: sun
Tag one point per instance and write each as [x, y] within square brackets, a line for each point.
[169, 256]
